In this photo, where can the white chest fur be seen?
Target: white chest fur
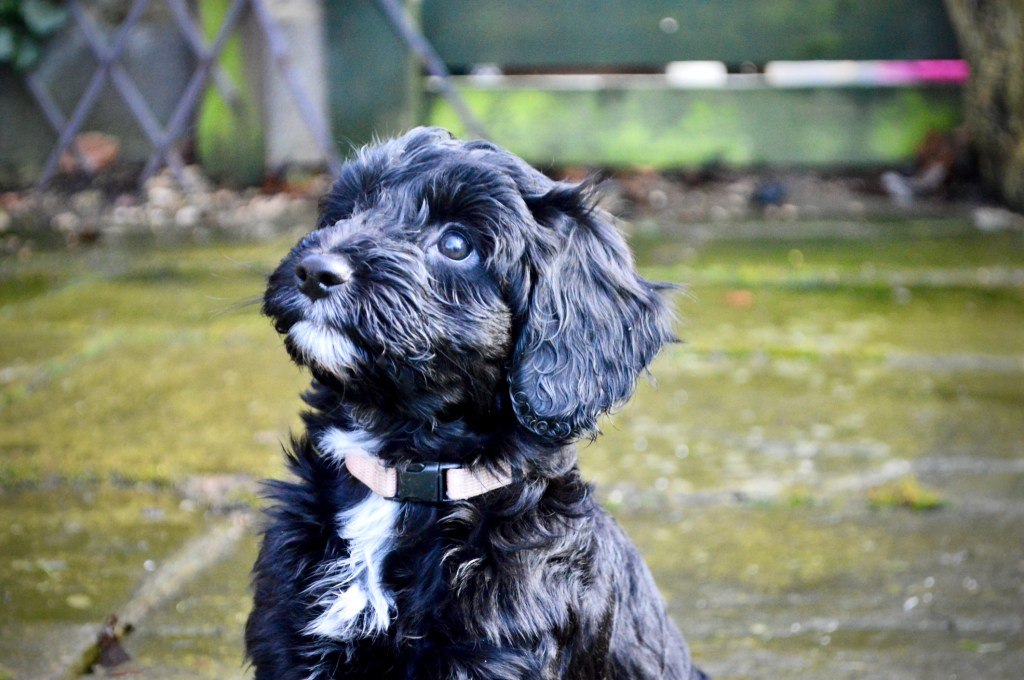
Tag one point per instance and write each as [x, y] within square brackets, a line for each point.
[355, 602]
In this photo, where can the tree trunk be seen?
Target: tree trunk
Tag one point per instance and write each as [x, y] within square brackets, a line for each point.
[991, 36]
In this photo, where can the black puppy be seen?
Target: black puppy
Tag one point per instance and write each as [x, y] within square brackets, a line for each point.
[465, 319]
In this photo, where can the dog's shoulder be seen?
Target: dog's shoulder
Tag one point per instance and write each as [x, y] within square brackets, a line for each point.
[644, 641]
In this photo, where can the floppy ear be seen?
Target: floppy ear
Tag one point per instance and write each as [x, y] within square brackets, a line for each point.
[591, 324]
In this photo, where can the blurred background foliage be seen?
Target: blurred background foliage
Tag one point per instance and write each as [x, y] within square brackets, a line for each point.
[24, 26]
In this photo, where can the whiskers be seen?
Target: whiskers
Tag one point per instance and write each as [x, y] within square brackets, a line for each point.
[235, 306]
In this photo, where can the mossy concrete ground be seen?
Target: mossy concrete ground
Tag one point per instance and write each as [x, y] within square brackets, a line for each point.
[825, 366]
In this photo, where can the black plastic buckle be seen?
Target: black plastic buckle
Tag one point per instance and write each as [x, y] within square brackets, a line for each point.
[423, 482]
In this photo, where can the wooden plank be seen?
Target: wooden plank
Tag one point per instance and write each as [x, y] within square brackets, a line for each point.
[666, 128]
[547, 34]
[373, 82]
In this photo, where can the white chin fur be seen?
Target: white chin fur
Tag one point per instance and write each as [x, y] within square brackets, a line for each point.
[323, 347]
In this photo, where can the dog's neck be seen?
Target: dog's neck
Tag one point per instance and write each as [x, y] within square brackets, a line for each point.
[399, 439]
[380, 401]
[418, 437]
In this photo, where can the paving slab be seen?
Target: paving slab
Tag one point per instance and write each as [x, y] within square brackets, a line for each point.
[827, 478]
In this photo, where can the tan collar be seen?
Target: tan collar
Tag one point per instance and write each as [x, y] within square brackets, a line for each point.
[423, 482]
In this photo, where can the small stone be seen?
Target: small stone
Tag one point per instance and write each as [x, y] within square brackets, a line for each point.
[96, 150]
[739, 299]
[264, 208]
[10, 200]
[195, 180]
[66, 222]
[898, 187]
[126, 215]
[163, 180]
[657, 199]
[856, 207]
[718, 213]
[87, 202]
[187, 216]
[157, 217]
[990, 220]
[163, 197]
[225, 198]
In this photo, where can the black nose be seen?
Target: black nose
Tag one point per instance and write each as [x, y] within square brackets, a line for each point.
[320, 274]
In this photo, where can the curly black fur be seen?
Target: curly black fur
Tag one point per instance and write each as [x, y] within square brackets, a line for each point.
[499, 353]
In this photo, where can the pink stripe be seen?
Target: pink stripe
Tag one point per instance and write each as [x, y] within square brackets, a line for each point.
[936, 71]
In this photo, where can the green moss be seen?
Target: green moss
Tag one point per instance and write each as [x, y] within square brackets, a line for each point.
[74, 556]
[23, 286]
[157, 408]
[740, 470]
[905, 493]
[230, 139]
[904, 123]
[764, 550]
[800, 496]
[154, 365]
[666, 127]
[220, 599]
[146, 371]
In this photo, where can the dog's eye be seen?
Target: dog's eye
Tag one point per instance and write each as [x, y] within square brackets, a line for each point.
[454, 245]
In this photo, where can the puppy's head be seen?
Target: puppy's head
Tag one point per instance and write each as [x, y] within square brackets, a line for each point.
[448, 279]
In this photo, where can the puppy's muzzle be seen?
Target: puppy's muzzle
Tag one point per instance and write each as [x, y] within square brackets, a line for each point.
[320, 275]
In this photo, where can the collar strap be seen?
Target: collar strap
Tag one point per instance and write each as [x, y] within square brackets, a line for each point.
[423, 482]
